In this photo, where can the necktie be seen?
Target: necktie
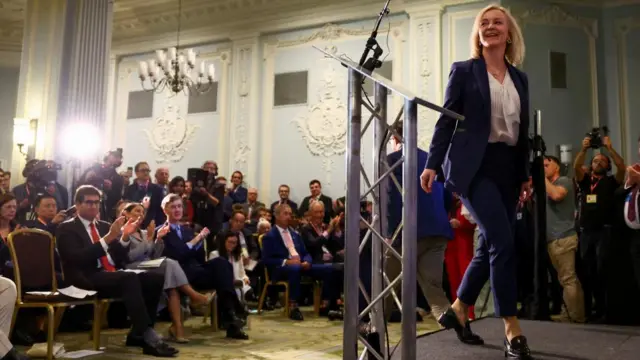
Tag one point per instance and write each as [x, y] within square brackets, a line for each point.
[103, 260]
[290, 245]
[177, 229]
[633, 202]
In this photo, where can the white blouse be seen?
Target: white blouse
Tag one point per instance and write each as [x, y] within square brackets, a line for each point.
[505, 111]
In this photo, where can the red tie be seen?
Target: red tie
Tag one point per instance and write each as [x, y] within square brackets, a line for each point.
[104, 260]
[633, 202]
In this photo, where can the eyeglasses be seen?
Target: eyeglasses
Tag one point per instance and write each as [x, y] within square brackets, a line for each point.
[92, 202]
[144, 170]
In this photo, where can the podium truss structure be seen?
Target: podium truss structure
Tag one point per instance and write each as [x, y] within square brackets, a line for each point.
[381, 285]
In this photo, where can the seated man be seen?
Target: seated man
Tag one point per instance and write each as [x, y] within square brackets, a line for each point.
[92, 250]
[48, 215]
[182, 245]
[286, 258]
[8, 295]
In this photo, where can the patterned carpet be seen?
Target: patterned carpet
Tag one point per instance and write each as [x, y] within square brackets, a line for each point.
[272, 337]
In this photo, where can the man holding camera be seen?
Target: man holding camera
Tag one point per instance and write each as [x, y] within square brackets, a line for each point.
[596, 218]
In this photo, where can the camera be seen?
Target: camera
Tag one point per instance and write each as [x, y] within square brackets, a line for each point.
[43, 173]
[595, 136]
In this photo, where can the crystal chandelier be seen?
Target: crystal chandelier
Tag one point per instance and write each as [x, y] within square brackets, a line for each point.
[176, 70]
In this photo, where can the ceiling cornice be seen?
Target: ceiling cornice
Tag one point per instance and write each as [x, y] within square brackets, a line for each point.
[144, 25]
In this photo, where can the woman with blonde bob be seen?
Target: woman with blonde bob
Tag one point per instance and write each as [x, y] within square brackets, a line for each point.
[485, 159]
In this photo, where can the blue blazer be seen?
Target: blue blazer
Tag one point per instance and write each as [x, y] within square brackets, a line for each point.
[176, 248]
[274, 253]
[239, 196]
[433, 218]
[459, 150]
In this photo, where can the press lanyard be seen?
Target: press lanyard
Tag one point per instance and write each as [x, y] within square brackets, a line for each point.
[593, 186]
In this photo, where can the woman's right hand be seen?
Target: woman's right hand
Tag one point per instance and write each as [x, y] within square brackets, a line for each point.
[427, 178]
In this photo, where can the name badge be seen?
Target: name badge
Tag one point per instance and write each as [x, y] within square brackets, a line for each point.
[519, 216]
[592, 199]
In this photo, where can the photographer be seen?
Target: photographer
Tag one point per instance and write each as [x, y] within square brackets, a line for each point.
[41, 178]
[596, 216]
[113, 183]
[206, 198]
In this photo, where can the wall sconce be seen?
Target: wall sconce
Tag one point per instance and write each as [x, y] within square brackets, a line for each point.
[24, 136]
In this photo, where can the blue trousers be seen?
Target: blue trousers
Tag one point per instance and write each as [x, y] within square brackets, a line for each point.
[294, 273]
[492, 200]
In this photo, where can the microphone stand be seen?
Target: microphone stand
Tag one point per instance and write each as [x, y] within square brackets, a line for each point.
[540, 306]
[372, 44]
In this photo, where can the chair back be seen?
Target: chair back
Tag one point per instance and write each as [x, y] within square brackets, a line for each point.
[32, 254]
[266, 271]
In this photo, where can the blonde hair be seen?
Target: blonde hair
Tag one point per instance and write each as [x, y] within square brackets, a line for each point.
[515, 49]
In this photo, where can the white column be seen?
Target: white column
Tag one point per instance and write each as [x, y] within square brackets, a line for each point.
[243, 124]
[426, 64]
[63, 69]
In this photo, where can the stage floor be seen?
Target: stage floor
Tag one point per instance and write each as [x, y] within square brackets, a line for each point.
[547, 340]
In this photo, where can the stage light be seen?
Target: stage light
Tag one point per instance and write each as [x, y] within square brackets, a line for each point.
[81, 141]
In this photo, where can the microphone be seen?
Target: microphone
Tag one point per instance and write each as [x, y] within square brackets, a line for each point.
[372, 44]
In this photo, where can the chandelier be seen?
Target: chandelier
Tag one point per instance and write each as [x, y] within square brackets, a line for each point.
[176, 70]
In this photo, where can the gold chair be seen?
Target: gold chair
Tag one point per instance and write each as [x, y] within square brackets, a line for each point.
[32, 253]
[317, 289]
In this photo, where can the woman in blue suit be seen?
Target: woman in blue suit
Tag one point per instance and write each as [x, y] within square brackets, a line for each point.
[485, 159]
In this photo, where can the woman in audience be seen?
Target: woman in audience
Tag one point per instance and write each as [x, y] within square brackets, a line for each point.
[238, 192]
[229, 248]
[178, 186]
[142, 247]
[8, 208]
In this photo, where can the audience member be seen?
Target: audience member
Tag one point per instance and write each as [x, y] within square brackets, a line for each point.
[144, 247]
[92, 250]
[237, 192]
[283, 192]
[144, 191]
[562, 238]
[286, 258]
[315, 187]
[8, 295]
[182, 245]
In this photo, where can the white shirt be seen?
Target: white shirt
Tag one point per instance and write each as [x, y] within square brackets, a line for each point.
[505, 111]
[102, 241]
[282, 232]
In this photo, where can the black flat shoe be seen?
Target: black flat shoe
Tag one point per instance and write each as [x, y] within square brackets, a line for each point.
[449, 320]
[517, 348]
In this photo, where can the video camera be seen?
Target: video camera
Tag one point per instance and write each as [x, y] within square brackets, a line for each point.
[42, 173]
[596, 135]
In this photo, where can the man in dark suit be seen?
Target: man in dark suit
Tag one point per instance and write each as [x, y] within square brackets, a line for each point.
[283, 192]
[250, 248]
[316, 194]
[47, 215]
[141, 189]
[113, 184]
[252, 204]
[182, 245]
[92, 250]
[286, 258]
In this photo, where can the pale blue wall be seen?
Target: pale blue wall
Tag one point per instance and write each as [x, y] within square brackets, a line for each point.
[202, 145]
[8, 96]
[292, 163]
